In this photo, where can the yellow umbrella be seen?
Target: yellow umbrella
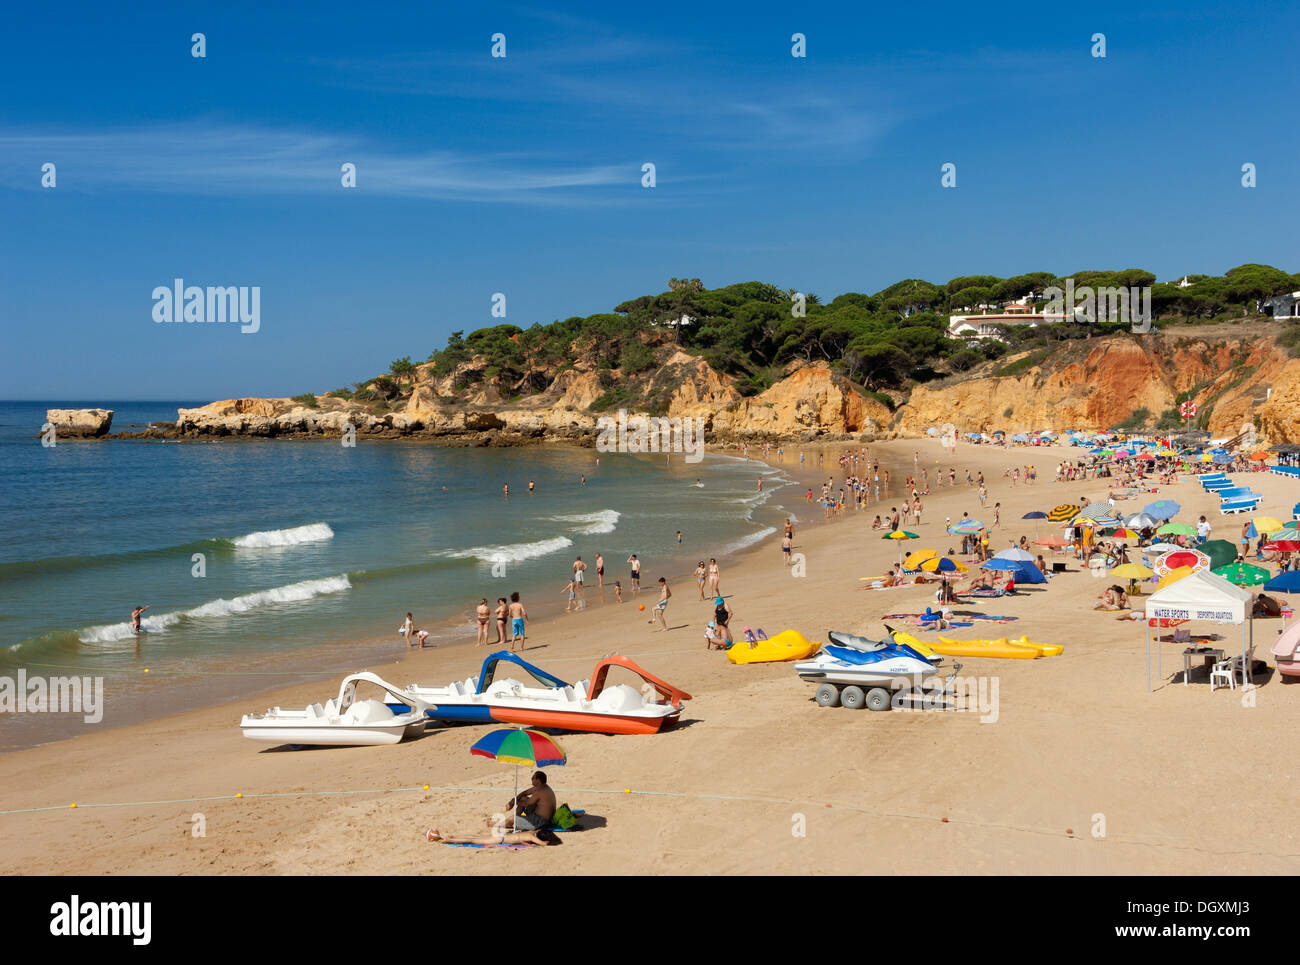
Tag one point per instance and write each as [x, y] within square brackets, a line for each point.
[1174, 576]
[1132, 571]
[914, 561]
[1267, 524]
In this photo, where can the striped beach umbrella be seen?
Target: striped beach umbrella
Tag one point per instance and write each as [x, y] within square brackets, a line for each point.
[1100, 513]
[520, 747]
[900, 534]
[1063, 513]
[965, 527]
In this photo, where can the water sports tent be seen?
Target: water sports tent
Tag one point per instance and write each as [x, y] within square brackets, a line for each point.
[1202, 596]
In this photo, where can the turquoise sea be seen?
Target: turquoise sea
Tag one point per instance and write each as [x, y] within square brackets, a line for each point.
[312, 552]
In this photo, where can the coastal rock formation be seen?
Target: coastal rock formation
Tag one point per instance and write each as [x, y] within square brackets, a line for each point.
[1279, 416]
[811, 401]
[1102, 384]
[79, 423]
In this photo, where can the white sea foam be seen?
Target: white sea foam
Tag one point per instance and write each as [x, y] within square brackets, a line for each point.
[511, 552]
[591, 524]
[735, 546]
[311, 533]
[292, 593]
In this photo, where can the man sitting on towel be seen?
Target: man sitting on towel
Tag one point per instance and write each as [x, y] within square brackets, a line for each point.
[533, 808]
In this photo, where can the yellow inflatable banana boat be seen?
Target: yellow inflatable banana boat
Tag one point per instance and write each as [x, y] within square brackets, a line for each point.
[1045, 649]
[786, 645]
[1003, 649]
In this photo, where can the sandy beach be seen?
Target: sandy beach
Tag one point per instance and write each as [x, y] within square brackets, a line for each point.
[1083, 771]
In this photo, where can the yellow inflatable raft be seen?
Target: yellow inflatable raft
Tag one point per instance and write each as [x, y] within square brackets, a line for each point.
[1003, 649]
[1045, 649]
[786, 645]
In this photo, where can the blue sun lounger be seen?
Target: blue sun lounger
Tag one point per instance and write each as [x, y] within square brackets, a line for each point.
[1241, 504]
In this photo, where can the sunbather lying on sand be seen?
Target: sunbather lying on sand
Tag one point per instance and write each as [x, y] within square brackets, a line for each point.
[1112, 598]
[543, 838]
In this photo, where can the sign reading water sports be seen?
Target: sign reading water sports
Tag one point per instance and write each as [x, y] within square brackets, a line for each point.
[1158, 612]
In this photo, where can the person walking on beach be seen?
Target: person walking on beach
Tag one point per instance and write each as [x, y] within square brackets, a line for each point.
[502, 615]
[519, 622]
[636, 574]
[983, 494]
[618, 592]
[600, 574]
[483, 614]
[662, 605]
[722, 616]
[786, 547]
[679, 539]
[407, 629]
[569, 590]
[700, 572]
[997, 514]
[579, 568]
[715, 574]
[135, 618]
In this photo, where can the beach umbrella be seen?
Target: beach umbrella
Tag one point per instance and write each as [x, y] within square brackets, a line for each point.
[1053, 541]
[900, 534]
[917, 557]
[1220, 551]
[1180, 558]
[1099, 513]
[1158, 548]
[520, 747]
[1288, 582]
[966, 527]
[1162, 509]
[1015, 554]
[998, 563]
[1259, 456]
[1036, 514]
[1063, 513]
[1283, 545]
[1243, 574]
[943, 564]
[1122, 532]
[1132, 571]
[1267, 524]
[1176, 529]
[1291, 524]
[1222, 460]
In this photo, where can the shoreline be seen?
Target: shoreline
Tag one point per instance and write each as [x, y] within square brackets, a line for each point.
[1076, 737]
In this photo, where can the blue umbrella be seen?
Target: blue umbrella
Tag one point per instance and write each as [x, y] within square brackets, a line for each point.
[1251, 531]
[1163, 509]
[1223, 459]
[1034, 515]
[1288, 582]
[944, 565]
[998, 563]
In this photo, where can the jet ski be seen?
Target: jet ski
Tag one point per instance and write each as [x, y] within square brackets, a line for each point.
[851, 659]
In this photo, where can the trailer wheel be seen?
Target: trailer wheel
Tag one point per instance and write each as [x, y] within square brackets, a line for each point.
[853, 698]
[878, 698]
[828, 695]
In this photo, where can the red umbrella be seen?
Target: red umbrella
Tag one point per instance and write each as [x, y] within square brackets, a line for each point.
[1283, 545]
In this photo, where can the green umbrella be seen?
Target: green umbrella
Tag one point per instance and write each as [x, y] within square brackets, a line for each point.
[1177, 529]
[1243, 574]
[1220, 552]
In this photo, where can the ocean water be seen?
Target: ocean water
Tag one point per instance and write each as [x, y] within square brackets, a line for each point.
[312, 552]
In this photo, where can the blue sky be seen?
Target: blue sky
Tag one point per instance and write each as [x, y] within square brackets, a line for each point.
[523, 175]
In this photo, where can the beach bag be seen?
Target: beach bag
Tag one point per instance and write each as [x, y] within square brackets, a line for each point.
[564, 818]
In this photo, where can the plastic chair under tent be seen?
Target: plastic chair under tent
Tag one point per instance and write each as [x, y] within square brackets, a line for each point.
[1222, 671]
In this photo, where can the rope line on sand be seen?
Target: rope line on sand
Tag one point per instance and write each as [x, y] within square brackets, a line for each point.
[98, 671]
[1145, 841]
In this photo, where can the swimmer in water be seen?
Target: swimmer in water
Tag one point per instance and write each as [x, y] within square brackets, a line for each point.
[135, 618]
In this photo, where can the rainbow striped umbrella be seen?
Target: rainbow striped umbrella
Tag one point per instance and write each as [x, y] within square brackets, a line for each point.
[900, 534]
[966, 527]
[516, 745]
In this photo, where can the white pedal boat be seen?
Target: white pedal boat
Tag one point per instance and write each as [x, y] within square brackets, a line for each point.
[341, 722]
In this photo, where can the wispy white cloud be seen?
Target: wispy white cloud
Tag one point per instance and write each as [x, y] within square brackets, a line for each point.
[223, 159]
